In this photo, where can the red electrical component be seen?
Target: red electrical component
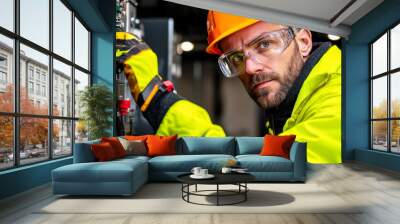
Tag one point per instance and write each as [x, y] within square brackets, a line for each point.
[124, 106]
[168, 86]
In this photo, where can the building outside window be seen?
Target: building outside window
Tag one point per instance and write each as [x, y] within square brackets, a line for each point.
[3, 78]
[385, 94]
[3, 60]
[3, 72]
[3, 81]
[55, 97]
[37, 74]
[43, 78]
[30, 72]
[43, 90]
[57, 127]
[38, 89]
[30, 87]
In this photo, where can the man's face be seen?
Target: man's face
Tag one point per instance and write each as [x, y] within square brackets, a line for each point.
[269, 82]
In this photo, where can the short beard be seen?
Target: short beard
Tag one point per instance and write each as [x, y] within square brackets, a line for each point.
[262, 96]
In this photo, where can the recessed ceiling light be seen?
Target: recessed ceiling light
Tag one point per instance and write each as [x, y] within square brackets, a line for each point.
[187, 46]
[333, 37]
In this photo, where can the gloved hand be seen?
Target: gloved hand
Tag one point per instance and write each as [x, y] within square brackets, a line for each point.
[167, 112]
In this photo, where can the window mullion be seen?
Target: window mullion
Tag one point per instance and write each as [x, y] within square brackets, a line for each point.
[389, 113]
[371, 98]
[16, 84]
[50, 81]
[73, 82]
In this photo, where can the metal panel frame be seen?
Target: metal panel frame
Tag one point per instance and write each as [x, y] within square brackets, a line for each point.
[268, 14]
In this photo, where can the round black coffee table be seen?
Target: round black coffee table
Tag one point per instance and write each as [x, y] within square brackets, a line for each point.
[238, 179]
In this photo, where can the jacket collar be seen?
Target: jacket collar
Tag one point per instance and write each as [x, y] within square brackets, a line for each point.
[329, 65]
[319, 49]
[278, 115]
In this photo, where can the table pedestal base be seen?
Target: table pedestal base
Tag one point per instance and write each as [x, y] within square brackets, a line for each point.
[220, 193]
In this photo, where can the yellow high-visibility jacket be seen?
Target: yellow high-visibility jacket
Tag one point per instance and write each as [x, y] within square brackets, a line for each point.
[140, 63]
[316, 116]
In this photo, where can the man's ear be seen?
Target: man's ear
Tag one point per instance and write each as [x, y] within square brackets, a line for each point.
[304, 42]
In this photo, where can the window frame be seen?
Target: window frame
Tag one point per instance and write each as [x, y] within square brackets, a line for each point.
[388, 74]
[16, 114]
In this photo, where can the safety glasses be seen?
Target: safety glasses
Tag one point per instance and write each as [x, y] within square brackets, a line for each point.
[260, 50]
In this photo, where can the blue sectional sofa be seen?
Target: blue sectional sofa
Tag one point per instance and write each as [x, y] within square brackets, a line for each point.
[125, 176]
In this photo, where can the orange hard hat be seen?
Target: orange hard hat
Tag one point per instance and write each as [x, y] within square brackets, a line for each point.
[221, 25]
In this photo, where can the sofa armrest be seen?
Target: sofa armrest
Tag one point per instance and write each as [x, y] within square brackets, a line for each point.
[298, 155]
[83, 152]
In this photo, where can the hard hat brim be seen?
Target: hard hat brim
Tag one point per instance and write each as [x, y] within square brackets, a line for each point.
[213, 48]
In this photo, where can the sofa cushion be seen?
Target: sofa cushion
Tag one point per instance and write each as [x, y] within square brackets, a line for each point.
[136, 137]
[118, 171]
[249, 145]
[131, 158]
[257, 163]
[134, 147]
[277, 145]
[206, 145]
[185, 163]
[118, 177]
[103, 152]
[93, 172]
[161, 145]
[116, 145]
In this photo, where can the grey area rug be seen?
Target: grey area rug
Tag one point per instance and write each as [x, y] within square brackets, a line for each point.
[166, 198]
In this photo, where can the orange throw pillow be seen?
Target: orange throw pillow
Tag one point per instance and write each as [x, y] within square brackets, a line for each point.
[116, 145]
[277, 145]
[103, 152]
[161, 145]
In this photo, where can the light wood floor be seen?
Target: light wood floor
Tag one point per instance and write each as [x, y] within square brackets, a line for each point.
[378, 188]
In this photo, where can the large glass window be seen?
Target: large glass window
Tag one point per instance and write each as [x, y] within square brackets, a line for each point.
[379, 56]
[395, 47]
[62, 80]
[81, 45]
[385, 94]
[6, 142]
[40, 62]
[33, 141]
[34, 21]
[81, 81]
[7, 14]
[62, 27]
[379, 97]
[62, 137]
[379, 133]
[46, 79]
[6, 74]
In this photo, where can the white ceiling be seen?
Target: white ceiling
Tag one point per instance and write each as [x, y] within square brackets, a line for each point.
[326, 16]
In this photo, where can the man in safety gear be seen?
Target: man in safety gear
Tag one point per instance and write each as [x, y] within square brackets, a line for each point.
[297, 83]
[167, 112]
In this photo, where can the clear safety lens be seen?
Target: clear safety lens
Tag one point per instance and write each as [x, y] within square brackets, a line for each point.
[260, 50]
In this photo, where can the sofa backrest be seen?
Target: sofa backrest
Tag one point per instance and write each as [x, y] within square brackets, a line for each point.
[253, 145]
[249, 145]
[194, 145]
[83, 152]
[206, 145]
[297, 147]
